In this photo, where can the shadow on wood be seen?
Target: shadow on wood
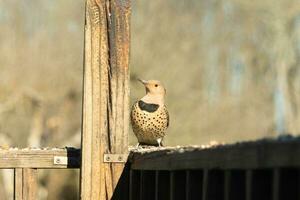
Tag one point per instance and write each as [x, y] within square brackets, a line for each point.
[74, 157]
[122, 189]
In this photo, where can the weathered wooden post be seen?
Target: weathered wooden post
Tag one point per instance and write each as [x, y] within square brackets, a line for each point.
[106, 97]
[25, 184]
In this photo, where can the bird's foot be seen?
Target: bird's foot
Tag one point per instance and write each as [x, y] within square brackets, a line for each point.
[137, 146]
[141, 146]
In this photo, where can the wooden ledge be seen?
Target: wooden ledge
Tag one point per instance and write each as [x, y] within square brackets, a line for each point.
[39, 158]
[266, 153]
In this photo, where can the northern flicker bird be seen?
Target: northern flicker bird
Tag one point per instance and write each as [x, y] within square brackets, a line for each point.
[149, 115]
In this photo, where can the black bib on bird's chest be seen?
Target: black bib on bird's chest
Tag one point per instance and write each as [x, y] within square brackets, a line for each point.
[149, 107]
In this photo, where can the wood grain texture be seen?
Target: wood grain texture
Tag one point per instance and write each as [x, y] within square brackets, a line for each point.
[94, 109]
[106, 95]
[118, 104]
[18, 184]
[29, 184]
[25, 184]
[248, 155]
[30, 158]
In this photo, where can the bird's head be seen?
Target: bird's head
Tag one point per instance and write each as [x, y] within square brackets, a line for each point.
[154, 87]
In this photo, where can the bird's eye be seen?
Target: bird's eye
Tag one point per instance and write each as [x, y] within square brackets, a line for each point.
[156, 85]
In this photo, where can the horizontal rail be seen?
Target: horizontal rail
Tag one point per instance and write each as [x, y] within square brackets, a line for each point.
[268, 153]
[247, 155]
[40, 158]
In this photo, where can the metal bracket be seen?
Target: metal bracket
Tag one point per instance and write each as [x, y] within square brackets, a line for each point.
[60, 160]
[115, 158]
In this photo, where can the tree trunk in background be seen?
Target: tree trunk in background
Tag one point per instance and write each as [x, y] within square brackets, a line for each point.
[283, 56]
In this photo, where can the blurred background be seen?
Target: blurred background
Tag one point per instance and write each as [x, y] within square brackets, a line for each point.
[231, 69]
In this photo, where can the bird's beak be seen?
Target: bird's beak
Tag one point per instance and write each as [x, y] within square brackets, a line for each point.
[145, 84]
[143, 81]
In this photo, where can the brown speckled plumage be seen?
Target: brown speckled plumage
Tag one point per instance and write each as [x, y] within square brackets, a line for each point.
[149, 116]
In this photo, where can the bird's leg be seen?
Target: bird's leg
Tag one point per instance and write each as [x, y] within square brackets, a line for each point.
[159, 141]
[137, 146]
[161, 144]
